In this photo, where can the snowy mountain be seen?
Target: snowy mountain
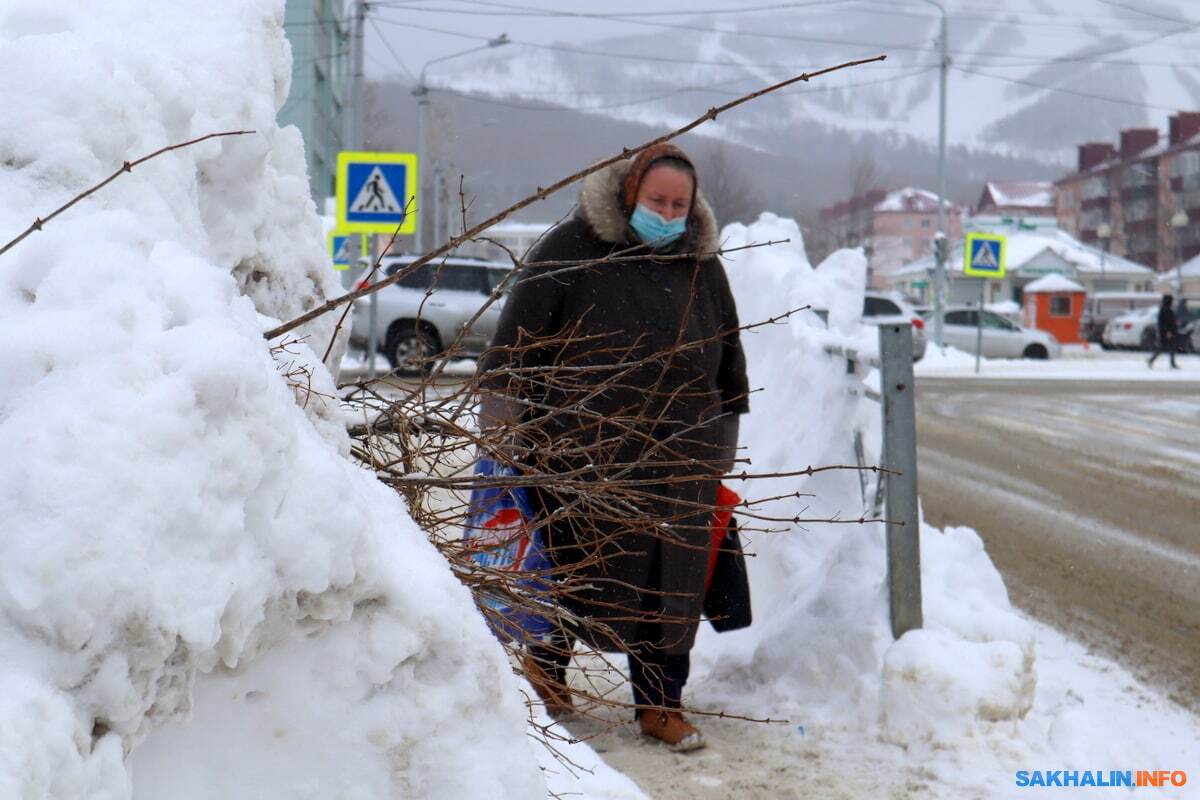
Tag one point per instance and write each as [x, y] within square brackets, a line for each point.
[1028, 82]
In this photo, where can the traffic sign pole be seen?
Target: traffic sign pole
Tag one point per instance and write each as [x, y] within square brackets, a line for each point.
[979, 325]
[984, 258]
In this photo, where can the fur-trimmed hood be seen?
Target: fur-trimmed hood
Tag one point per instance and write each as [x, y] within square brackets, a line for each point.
[600, 207]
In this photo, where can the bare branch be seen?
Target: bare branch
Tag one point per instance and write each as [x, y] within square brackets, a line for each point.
[542, 194]
[128, 166]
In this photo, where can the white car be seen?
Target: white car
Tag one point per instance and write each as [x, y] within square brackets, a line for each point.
[1001, 338]
[881, 308]
[1136, 330]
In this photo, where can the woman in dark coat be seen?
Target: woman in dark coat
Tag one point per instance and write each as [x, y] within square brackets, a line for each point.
[626, 368]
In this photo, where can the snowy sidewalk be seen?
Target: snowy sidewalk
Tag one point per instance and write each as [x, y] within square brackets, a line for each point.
[1076, 363]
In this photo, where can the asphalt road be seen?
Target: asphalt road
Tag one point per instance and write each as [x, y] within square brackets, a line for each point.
[1087, 496]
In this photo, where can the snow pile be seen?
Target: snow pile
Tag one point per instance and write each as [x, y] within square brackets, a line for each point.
[972, 692]
[822, 644]
[182, 538]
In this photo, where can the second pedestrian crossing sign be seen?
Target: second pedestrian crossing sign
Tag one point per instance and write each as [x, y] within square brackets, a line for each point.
[984, 255]
[377, 192]
[345, 248]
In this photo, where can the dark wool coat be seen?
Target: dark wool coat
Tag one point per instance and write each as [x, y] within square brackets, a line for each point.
[1167, 329]
[661, 337]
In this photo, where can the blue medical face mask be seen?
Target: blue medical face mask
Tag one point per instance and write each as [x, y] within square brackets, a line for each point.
[654, 230]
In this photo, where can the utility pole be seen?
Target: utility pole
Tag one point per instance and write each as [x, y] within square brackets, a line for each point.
[358, 113]
[421, 92]
[940, 252]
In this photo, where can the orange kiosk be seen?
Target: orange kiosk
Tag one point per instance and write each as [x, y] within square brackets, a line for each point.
[1054, 304]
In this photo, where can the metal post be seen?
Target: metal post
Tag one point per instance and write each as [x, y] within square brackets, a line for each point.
[422, 93]
[372, 338]
[358, 114]
[939, 274]
[979, 324]
[900, 461]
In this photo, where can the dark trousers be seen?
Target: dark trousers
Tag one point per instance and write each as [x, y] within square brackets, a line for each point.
[1165, 344]
[657, 678]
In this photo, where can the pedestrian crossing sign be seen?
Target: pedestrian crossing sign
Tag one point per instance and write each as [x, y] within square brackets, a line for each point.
[344, 248]
[984, 255]
[377, 192]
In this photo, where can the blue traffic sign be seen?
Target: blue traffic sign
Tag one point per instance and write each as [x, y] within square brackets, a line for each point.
[344, 248]
[376, 192]
[984, 255]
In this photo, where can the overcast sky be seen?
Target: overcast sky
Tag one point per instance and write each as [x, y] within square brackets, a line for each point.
[399, 36]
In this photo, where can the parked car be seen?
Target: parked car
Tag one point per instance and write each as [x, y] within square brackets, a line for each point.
[1135, 330]
[1000, 339]
[1101, 308]
[1138, 330]
[880, 308]
[429, 309]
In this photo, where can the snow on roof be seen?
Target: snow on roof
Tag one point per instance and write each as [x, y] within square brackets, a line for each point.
[1191, 269]
[1054, 282]
[1033, 194]
[1024, 246]
[910, 199]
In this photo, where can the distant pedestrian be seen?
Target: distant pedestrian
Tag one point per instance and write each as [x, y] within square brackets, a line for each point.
[1168, 332]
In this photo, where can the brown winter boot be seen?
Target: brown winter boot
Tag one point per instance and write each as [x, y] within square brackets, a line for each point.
[670, 728]
[554, 696]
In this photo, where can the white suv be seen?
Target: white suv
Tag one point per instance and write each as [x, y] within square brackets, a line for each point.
[882, 308]
[431, 310]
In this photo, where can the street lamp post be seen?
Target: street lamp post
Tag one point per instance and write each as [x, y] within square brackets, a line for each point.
[939, 275]
[1179, 221]
[422, 94]
[1103, 233]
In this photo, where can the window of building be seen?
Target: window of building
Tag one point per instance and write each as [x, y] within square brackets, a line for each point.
[925, 223]
[1060, 306]
[908, 223]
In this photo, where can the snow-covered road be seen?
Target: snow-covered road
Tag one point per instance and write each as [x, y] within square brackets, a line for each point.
[1086, 496]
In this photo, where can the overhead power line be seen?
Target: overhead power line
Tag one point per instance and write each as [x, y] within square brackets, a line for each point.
[530, 11]
[618, 55]
[719, 88]
[854, 43]
[1065, 90]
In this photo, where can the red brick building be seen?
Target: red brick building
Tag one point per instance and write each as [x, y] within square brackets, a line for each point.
[1123, 198]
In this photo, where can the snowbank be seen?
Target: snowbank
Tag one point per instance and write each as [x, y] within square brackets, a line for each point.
[200, 595]
[822, 638]
[967, 697]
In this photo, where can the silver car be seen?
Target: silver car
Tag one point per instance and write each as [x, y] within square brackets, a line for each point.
[430, 310]
[1000, 338]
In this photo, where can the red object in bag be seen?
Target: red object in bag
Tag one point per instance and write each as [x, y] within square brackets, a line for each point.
[726, 500]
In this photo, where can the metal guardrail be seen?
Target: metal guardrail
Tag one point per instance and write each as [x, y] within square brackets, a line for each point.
[896, 487]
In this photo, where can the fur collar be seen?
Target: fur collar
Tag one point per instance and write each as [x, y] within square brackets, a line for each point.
[600, 207]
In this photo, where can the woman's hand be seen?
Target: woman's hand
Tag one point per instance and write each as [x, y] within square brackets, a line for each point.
[727, 439]
[498, 418]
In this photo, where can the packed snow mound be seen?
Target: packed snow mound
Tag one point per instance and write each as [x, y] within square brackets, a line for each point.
[187, 556]
[821, 647]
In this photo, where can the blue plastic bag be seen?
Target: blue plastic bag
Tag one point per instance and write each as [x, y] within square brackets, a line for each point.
[498, 535]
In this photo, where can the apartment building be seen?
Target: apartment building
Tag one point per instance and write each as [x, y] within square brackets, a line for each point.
[893, 228]
[319, 101]
[1139, 199]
